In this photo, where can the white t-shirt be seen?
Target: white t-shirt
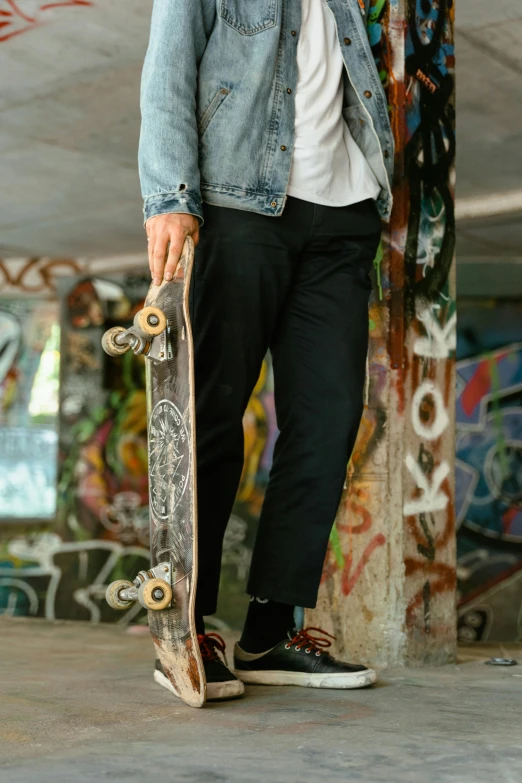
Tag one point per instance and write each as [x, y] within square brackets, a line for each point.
[327, 165]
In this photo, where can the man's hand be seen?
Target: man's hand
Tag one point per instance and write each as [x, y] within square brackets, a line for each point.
[166, 236]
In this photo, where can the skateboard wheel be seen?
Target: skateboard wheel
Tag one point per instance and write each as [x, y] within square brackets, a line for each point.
[109, 343]
[155, 594]
[112, 594]
[150, 321]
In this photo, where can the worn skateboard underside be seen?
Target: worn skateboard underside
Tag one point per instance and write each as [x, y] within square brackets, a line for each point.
[172, 483]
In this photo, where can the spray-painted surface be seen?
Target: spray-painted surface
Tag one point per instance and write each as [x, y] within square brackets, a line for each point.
[99, 525]
[389, 575]
[427, 380]
[22, 16]
[488, 471]
[29, 343]
[388, 586]
[99, 522]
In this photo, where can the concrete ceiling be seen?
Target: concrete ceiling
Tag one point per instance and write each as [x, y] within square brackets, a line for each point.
[489, 130]
[69, 123]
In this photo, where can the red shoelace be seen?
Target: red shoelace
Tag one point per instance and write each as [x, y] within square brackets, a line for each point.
[315, 644]
[210, 644]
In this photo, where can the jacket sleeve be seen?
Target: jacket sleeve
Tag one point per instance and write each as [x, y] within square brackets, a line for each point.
[168, 148]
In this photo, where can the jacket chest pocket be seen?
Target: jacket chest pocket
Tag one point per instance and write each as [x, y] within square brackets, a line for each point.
[249, 16]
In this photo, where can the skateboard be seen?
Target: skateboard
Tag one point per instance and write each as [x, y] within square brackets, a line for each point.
[162, 333]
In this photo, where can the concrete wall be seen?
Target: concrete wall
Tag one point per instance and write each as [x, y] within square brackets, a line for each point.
[388, 591]
[62, 571]
[95, 437]
[75, 451]
[388, 588]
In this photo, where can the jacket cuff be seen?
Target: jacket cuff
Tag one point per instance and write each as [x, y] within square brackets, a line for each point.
[164, 203]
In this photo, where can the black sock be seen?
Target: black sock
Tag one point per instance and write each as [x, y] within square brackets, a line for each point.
[200, 624]
[267, 623]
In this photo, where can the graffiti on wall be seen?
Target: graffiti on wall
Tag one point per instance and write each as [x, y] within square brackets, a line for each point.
[413, 340]
[98, 519]
[489, 473]
[21, 16]
[41, 277]
[99, 525]
[430, 336]
[429, 157]
[428, 510]
[104, 430]
[29, 342]
[355, 541]
[34, 276]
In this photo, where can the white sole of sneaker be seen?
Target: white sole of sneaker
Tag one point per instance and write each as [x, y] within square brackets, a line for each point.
[216, 691]
[309, 680]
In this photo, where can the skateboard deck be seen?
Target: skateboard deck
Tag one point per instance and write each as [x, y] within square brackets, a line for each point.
[162, 332]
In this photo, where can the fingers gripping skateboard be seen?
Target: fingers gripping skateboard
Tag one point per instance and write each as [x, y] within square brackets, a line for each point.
[148, 323]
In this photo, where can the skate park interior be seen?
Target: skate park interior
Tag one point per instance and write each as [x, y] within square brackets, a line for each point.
[77, 699]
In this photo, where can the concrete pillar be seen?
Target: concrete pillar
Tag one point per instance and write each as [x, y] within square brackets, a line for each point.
[388, 591]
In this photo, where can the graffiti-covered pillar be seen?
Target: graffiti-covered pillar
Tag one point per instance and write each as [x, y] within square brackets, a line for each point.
[388, 591]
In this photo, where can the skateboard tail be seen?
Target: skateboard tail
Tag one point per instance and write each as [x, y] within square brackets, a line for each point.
[182, 669]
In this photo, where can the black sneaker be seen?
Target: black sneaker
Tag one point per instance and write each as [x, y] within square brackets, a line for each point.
[221, 683]
[301, 660]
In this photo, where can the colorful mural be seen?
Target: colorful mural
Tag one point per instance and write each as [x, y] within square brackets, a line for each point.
[393, 515]
[422, 337]
[98, 518]
[400, 495]
[29, 351]
[489, 471]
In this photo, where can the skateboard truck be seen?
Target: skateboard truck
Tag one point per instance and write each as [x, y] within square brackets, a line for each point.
[148, 323]
[151, 588]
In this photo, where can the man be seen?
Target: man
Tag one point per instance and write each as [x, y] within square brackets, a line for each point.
[265, 136]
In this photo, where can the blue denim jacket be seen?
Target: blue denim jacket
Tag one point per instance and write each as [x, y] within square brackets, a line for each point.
[217, 103]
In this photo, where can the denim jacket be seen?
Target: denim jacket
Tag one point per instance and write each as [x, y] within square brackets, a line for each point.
[217, 103]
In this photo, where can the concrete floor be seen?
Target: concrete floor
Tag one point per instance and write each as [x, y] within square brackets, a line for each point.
[77, 703]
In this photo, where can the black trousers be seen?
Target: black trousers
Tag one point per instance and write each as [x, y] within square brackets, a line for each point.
[297, 285]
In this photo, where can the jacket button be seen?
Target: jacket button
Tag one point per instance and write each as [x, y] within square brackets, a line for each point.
[347, 41]
[273, 203]
[289, 91]
[367, 94]
[386, 154]
[294, 32]
[283, 148]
